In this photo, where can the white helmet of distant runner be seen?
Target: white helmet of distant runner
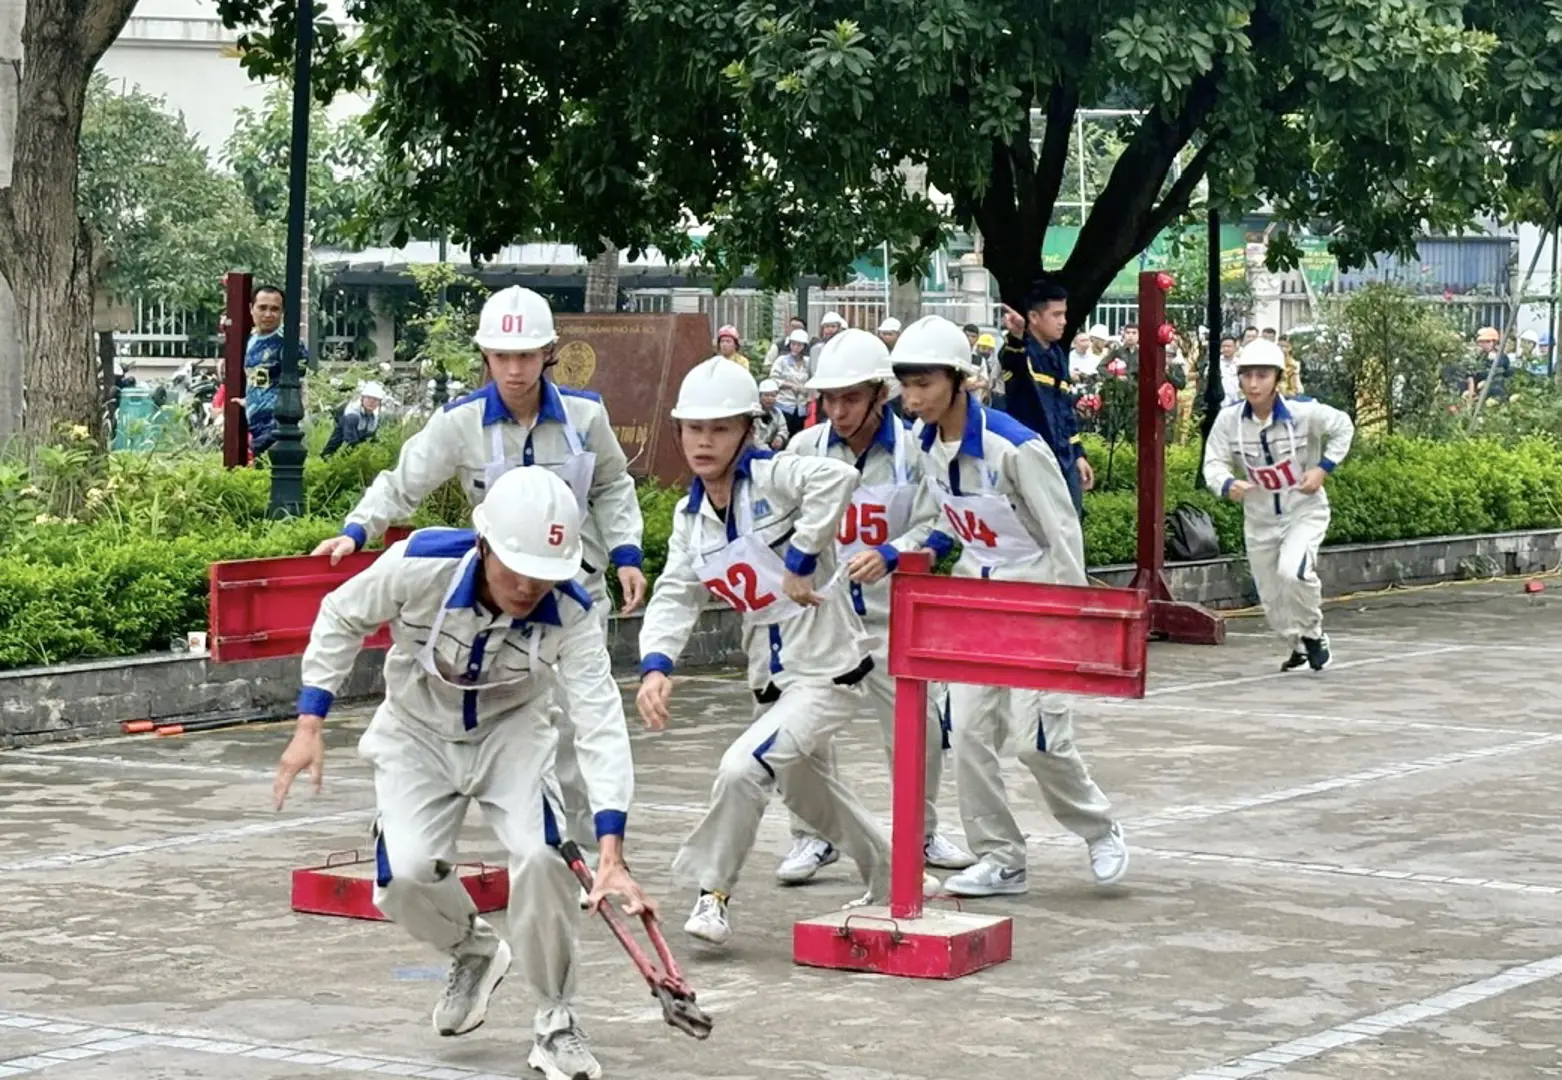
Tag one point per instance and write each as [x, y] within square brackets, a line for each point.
[716, 389]
[769, 386]
[850, 358]
[531, 520]
[934, 341]
[515, 320]
[1259, 353]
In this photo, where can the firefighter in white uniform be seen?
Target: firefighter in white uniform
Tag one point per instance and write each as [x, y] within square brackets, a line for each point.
[851, 381]
[996, 486]
[520, 417]
[1273, 456]
[486, 626]
[756, 530]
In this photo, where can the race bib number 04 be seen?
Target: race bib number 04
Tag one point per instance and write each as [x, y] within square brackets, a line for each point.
[970, 528]
[740, 589]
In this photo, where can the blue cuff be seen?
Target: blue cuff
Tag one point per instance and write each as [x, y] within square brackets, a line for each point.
[359, 534]
[626, 555]
[1225, 489]
[656, 662]
[800, 564]
[941, 543]
[610, 822]
[891, 556]
[1328, 466]
[313, 701]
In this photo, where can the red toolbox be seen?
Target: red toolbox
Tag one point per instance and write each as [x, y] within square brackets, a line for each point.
[344, 885]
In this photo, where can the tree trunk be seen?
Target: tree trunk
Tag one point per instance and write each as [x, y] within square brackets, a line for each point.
[45, 249]
[905, 297]
[602, 281]
[12, 12]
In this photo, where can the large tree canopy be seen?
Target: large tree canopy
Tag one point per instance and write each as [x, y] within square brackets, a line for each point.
[782, 125]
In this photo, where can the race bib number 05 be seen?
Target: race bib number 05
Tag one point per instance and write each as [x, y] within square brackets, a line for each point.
[864, 523]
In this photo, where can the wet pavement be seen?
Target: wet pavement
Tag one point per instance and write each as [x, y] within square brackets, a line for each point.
[1354, 874]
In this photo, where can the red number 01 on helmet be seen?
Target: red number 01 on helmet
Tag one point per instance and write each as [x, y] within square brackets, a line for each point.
[509, 324]
[740, 589]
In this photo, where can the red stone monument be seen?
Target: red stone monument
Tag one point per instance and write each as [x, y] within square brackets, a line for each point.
[636, 363]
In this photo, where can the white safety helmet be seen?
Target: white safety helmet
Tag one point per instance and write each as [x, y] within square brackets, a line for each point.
[850, 358]
[1100, 332]
[371, 389]
[716, 389]
[934, 341]
[515, 320]
[531, 520]
[833, 317]
[889, 326]
[1260, 353]
[769, 386]
[799, 336]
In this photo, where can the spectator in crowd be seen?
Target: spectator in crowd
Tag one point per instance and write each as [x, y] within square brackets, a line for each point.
[1127, 350]
[727, 343]
[263, 369]
[1082, 363]
[989, 373]
[359, 420]
[889, 332]
[1269, 333]
[1229, 383]
[1524, 360]
[829, 326]
[1487, 343]
[1100, 343]
[1291, 375]
[793, 324]
[790, 373]
[972, 332]
[1250, 334]
[770, 427]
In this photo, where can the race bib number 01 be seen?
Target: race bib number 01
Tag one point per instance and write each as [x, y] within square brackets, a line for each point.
[864, 523]
[740, 589]
[1273, 478]
[970, 528]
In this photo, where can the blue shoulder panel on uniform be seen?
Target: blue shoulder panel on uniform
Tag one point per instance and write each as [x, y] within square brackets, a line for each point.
[576, 592]
[1006, 426]
[589, 395]
[440, 543]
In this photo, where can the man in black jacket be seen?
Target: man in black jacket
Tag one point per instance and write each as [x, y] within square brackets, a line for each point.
[1036, 380]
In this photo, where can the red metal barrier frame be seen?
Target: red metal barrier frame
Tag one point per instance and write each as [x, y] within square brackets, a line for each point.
[340, 887]
[975, 631]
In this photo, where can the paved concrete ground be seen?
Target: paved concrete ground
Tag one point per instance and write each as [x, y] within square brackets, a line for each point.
[1348, 875]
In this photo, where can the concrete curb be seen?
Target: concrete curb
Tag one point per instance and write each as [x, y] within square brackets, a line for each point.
[87, 699]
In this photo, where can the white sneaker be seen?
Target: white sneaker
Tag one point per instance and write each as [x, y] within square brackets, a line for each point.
[931, 887]
[945, 855]
[564, 1055]
[808, 855]
[708, 921]
[473, 978]
[986, 879]
[1109, 857]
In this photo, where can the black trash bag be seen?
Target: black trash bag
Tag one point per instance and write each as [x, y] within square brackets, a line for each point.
[1190, 535]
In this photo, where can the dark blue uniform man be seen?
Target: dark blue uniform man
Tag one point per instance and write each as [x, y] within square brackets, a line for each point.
[1035, 375]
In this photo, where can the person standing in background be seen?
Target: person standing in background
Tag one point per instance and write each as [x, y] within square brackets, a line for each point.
[263, 369]
[790, 373]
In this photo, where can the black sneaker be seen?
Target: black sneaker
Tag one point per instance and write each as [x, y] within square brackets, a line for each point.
[1294, 661]
[1317, 651]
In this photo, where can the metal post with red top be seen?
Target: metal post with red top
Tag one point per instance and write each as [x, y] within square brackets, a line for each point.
[1172, 619]
[1015, 634]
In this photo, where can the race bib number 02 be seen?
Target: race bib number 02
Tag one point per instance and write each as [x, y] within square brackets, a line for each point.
[740, 589]
[864, 523]
[1273, 478]
[970, 528]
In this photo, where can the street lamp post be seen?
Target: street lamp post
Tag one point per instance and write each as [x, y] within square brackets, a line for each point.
[287, 454]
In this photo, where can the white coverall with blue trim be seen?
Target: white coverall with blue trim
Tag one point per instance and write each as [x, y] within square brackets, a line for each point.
[1001, 460]
[805, 670]
[475, 440]
[1283, 527]
[468, 718]
[877, 472]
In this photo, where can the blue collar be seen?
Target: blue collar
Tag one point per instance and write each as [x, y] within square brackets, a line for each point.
[971, 438]
[546, 611]
[743, 468]
[1280, 413]
[550, 405]
[885, 437]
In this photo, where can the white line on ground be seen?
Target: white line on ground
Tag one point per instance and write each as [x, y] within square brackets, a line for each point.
[215, 836]
[1334, 869]
[1243, 680]
[1381, 1023]
[1256, 714]
[98, 1041]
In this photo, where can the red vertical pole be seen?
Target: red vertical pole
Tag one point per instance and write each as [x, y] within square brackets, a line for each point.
[908, 796]
[236, 326]
[1152, 430]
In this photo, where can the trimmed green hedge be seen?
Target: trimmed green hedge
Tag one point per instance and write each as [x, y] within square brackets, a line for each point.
[129, 573]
